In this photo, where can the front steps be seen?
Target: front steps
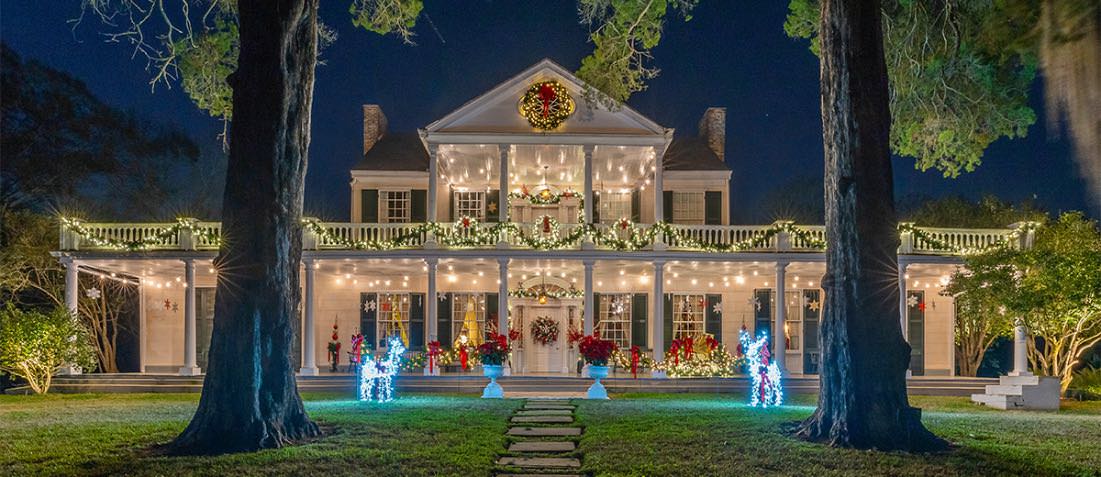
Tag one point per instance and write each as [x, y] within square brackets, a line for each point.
[1039, 393]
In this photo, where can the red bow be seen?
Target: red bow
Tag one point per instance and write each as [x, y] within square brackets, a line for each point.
[688, 347]
[634, 361]
[675, 350]
[433, 351]
[546, 224]
[463, 357]
[546, 94]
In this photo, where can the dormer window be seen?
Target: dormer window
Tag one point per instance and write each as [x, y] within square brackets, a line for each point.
[688, 208]
[395, 205]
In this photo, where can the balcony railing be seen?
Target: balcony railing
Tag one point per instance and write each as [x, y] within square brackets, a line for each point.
[190, 234]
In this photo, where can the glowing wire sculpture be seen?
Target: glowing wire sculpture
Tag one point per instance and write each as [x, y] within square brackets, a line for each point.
[766, 389]
[376, 381]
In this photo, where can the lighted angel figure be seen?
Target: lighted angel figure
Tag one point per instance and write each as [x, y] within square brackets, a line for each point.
[766, 389]
[376, 378]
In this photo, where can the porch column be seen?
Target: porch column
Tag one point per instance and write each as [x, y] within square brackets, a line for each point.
[1020, 351]
[779, 338]
[502, 303]
[431, 306]
[657, 320]
[72, 288]
[903, 323]
[190, 367]
[659, 202]
[588, 197]
[309, 341]
[590, 310]
[502, 185]
[433, 185]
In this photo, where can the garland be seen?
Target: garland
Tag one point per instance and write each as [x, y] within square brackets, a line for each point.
[928, 238]
[555, 294]
[544, 330]
[544, 197]
[160, 237]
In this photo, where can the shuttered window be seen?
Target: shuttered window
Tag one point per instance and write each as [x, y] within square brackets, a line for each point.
[688, 208]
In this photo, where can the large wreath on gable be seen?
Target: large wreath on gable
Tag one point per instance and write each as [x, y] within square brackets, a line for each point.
[544, 330]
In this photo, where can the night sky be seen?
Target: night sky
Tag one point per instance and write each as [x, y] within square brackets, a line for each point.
[729, 54]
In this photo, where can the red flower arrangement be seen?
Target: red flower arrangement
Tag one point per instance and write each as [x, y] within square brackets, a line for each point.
[514, 335]
[595, 350]
[495, 350]
[573, 336]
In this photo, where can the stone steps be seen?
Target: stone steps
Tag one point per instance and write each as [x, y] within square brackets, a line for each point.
[1021, 392]
[550, 448]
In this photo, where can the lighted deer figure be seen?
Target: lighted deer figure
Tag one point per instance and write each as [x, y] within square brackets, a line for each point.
[376, 377]
[766, 389]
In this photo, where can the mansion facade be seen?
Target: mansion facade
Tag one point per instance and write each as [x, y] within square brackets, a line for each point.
[531, 203]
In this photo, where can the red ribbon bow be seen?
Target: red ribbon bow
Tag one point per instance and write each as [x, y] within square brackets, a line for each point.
[675, 350]
[634, 361]
[547, 94]
[433, 351]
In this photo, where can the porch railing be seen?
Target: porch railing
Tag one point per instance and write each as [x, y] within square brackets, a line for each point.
[188, 234]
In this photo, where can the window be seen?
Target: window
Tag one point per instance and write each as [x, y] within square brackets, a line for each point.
[393, 317]
[471, 204]
[395, 205]
[793, 319]
[468, 312]
[614, 206]
[614, 319]
[688, 208]
[688, 315]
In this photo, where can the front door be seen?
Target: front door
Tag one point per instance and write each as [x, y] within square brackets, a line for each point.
[551, 357]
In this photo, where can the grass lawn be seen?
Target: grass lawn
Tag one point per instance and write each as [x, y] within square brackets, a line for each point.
[693, 435]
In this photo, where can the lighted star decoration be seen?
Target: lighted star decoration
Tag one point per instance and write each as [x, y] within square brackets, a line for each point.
[912, 300]
[814, 305]
[370, 305]
[491, 207]
[93, 293]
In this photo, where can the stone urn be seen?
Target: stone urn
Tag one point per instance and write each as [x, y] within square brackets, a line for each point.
[597, 391]
[493, 390]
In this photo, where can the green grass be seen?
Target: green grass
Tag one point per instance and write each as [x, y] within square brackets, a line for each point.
[707, 435]
[696, 435]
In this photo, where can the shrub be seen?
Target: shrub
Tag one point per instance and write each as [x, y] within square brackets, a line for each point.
[35, 345]
[1087, 383]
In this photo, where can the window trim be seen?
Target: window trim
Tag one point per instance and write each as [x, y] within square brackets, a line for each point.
[384, 206]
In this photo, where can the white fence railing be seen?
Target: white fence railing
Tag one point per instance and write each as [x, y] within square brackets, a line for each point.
[778, 237]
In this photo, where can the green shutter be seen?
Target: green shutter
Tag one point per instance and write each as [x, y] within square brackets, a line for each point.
[596, 311]
[668, 320]
[368, 318]
[596, 208]
[667, 205]
[491, 313]
[636, 206]
[493, 205]
[916, 320]
[714, 321]
[713, 207]
[418, 206]
[416, 321]
[810, 330]
[639, 306]
[443, 320]
[451, 204]
[369, 206]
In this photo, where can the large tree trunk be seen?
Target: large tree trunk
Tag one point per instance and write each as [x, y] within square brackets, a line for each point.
[250, 400]
[863, 399]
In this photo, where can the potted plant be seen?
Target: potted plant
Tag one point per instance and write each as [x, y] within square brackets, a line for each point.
[596, 353]
[493, 354]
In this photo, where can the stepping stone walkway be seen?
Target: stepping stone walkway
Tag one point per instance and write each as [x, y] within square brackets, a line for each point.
[543, 441]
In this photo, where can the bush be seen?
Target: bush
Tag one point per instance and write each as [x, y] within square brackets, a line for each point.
[34, 346]
[1087, 384]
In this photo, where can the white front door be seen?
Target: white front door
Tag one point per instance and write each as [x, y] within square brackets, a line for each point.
[550, 357]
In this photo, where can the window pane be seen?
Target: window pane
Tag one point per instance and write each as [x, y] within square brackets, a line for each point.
[688, 207]
[395, 205]
[688, 315]
[471, 204]
[614, 320]
[393, 317]
[614, 206]
[468, 315]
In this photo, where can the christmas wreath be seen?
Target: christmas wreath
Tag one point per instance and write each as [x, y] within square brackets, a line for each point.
[544, 330]
[546, 104]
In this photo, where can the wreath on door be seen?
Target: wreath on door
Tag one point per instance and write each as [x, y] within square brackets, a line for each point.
[544, 330]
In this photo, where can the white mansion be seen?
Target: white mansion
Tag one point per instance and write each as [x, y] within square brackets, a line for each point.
[529, 199]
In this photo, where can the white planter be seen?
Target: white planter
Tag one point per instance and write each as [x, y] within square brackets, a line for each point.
[597, 391]
[493, 390]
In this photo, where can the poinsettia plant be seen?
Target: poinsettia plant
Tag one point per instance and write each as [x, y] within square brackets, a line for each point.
[573, 336]
[495, 350]
[596, 351]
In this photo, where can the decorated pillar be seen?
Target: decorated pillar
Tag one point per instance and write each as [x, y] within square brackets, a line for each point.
[431, 306]
[589, 313]
[1020, 350]
[779, 336]
[657, 323]
[502, 303]
[190, 366]
[309, 341]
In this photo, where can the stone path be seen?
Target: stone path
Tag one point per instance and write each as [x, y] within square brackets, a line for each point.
[542, 441]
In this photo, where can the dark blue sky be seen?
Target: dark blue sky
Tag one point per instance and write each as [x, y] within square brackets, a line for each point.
[730, 54]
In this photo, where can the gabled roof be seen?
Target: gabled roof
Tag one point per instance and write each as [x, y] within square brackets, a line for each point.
[692, 154]
[395, 152]
[496, 111]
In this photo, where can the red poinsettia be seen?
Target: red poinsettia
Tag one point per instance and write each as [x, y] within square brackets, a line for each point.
[495, 350]
[595, 350]
[573, 335]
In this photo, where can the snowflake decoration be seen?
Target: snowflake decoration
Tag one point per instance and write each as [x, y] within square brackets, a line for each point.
[814, 305]
[755, 303]
[912, 300]
[717, 307]
[167, 304]
[175, 307]
[93, 293]
[441, 296]
[370, 306]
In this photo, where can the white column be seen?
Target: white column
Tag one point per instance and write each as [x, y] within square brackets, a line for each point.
[903, 323]
[1020, 351]
[502, 185]
[657, 319]
[502, 302]
[432, 303]
[659, 203]
[190, 367]
[589, 313]
[779, 341]
[433, 186]
[72, 288]
[309, 341]
[588, 197]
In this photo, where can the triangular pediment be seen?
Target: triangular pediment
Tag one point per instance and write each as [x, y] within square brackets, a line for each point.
[497, 111]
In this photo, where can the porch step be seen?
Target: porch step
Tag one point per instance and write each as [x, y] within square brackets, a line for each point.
[1021, 392]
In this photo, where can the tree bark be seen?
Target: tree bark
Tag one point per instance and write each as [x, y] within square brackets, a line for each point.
[862, 402]
[250, 400]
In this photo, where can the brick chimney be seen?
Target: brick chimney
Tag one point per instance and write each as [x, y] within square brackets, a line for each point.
[713, 128]
[374, 125]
